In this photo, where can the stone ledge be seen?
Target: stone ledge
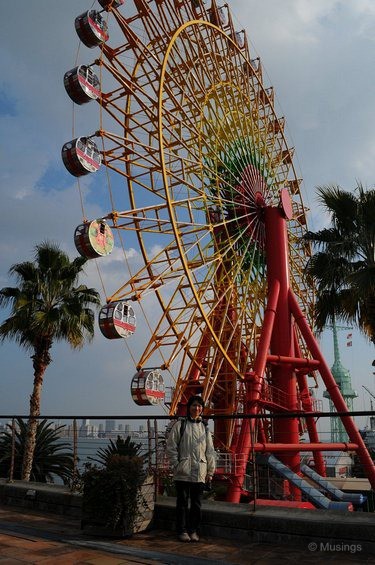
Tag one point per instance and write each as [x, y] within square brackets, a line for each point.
[276, 525]
[56, 499]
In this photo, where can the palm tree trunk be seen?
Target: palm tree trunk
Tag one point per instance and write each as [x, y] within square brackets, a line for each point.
[41, 359]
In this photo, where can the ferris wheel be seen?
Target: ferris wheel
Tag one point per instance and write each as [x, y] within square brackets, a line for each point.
[188, 123]
[199, 172]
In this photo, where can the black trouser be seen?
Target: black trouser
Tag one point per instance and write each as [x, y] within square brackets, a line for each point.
[188, 520]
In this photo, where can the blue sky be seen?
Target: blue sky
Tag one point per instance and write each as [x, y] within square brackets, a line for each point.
[319, 58]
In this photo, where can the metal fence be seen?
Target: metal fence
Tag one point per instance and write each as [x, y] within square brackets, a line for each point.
[84, 436]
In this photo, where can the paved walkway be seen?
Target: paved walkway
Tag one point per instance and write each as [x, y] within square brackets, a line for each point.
[35, 537]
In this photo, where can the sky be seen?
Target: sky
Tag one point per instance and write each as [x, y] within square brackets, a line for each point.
[319, 58]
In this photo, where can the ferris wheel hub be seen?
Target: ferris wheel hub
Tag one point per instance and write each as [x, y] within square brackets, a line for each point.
[286, 203]
[259, 200]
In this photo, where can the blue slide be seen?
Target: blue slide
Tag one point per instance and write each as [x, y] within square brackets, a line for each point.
[311, 493]
[330, 489]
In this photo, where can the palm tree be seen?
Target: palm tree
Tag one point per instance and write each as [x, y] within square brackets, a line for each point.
[51, 456]
[46, 307]
[343, 268]
[121, 447]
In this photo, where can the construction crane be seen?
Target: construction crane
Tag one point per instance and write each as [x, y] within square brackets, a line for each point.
[371, 394]
[369, 434]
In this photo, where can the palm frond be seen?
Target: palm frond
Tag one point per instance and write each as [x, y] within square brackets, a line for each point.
[52, 457]
[343, 269]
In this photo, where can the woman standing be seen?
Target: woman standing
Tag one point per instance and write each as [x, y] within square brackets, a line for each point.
[192, 456]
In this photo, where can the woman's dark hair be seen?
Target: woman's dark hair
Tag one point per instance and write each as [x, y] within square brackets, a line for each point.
[195, 398]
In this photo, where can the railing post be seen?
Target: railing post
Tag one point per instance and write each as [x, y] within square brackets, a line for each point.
[149, 444]
[156, 430]
[156, 473]
[75, 450]
[254, 466]
[13, 452]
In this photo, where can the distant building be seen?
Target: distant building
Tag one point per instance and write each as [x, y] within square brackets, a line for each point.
[343, 380]
[339, 464]
[368, 435]
[110, 425]
[83, 429]
[87, 430]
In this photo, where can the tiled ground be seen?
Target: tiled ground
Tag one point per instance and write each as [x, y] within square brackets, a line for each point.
[31, 537]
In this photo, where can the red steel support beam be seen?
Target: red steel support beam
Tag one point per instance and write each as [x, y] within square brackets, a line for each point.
[334, 391]
[284, 448]
[282, 341]
[254, 388]
[311, 364]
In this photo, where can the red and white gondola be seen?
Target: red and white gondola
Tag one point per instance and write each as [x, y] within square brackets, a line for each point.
[82, 84]
[91, 28]
[239, 39]
[147, 387]
[81, 156]
[117, 320]
[108, 4]
[219, 16]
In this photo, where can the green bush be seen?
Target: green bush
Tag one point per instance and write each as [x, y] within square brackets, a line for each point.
[112, 493]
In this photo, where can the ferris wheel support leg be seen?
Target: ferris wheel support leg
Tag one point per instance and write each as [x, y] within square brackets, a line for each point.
[266, 334]
[307, 406]
[247, 438]
[282, 341]
[333, 389]
[310, 424]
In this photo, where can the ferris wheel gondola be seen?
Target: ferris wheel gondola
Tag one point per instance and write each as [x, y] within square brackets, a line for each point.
[94, 239]
[117, 320]
[219, 15]
[147, 387]
[82, 84]
[110, 4]
[81, 156]
[91, 28]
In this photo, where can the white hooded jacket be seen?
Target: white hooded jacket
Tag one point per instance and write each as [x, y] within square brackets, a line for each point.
[192, 456]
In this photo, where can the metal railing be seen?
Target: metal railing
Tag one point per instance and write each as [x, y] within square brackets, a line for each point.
[87, 434]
